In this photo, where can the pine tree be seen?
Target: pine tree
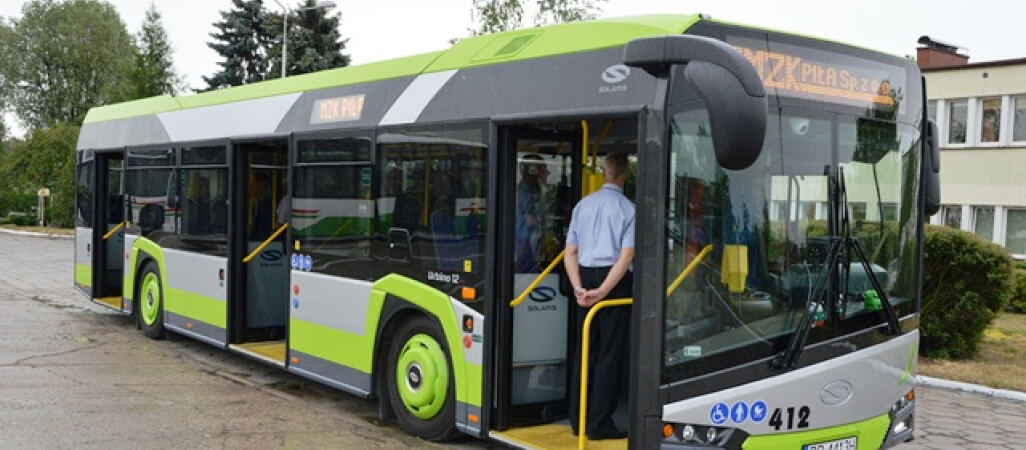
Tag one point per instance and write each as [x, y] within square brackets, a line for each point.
[242, 39]
[154, 72]
[314, 42]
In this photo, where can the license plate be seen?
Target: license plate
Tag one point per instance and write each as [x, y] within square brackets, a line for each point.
[840, 444]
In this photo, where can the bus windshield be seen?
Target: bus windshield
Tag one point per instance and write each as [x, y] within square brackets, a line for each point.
[766, 231]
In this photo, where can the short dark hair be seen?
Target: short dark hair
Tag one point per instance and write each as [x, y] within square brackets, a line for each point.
[616, 164]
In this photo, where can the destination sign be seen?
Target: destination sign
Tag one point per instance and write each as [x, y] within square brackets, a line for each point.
[818, 75]
[337, 109]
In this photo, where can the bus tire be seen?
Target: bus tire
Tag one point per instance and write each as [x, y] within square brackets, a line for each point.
[151, 303]
[420, 380]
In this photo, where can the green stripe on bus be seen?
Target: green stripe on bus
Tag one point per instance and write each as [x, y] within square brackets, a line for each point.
[194, 306]
[84, 275]
[477, 51]
[561, 39]
[378, 71]
[437, 304]
[329, 344]
[870, 434]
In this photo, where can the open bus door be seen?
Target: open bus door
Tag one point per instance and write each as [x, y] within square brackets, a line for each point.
[259, 268]
[543, 179]
[108, 235]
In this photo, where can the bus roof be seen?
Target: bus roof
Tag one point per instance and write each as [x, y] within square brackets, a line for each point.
[523, 44]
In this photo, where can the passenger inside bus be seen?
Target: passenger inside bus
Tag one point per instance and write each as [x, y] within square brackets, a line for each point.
[197, 212]
[530, 211]
[259, 208]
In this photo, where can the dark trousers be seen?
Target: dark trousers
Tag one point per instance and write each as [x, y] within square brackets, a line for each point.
[607, 353]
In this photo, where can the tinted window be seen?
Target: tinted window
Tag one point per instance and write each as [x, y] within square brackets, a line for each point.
[431, 205]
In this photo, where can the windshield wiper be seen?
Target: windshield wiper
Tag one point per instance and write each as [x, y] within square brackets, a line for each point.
[789, 357]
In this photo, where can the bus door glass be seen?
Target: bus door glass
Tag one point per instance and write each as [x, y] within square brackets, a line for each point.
[110, 243]
[544, 198]
[546, 182]
[261, 310]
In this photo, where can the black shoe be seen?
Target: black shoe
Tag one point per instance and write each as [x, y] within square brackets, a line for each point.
[606, 433]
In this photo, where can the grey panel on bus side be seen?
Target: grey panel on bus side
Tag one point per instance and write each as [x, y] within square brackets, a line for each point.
[574, 82]
[847, 389]
[144, 130]
[378, 98]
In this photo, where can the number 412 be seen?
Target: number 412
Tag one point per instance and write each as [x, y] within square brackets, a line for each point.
[777, 418]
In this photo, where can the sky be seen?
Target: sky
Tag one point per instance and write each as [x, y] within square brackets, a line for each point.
[384, 29]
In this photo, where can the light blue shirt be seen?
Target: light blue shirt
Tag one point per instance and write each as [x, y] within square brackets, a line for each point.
[601, 226]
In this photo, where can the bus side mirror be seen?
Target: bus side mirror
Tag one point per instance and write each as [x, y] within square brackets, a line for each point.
[931, 172]
[728, 84]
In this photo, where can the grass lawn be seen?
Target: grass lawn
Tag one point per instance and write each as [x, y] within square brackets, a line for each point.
[1001, 362]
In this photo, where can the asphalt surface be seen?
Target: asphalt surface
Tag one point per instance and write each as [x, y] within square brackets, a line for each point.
[73, 375]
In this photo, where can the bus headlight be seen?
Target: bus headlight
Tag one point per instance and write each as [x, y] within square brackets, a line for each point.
[688, 433]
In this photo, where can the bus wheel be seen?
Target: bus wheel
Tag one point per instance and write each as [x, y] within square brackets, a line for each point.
[151, 303]
[420, 382]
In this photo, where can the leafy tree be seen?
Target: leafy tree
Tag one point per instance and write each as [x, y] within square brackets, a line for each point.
[560, 11]
[64, 58]
[242, 39]
[314, 42]
[493, 16]
[154, 71]
[46, 158]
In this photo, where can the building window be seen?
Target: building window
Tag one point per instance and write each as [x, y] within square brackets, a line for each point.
[958, 117]
[990, 119]
[983, 222]
[1015, 237]
[952, 216]
[1019, 124]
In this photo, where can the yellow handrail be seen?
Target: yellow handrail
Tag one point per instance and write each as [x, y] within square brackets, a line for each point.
[582, 424]
[687, 270]
[114, 230]
[523, 295]
[259, 249]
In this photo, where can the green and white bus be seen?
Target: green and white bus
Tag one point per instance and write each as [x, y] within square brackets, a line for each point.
[358, 227]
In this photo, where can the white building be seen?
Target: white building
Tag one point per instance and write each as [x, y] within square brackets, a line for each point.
[980, 111]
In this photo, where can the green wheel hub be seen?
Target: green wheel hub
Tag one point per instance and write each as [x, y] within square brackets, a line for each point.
[422, 376]
[149, 304]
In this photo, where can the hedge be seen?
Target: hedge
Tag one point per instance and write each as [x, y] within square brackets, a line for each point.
[966, 282]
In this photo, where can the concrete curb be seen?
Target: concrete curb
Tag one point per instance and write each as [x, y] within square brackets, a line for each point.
[36, 234]
[971, 388]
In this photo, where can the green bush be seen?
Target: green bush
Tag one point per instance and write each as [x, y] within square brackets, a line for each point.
[966, 282]
[1018, 302]
[12, 202]
[24, 220]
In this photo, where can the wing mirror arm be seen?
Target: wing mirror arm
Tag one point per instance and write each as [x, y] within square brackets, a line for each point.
[726, 82]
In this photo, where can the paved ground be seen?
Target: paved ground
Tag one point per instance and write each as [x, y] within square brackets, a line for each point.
[75, 376]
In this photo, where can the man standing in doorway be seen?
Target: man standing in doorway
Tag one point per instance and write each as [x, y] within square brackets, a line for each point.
[599, 252]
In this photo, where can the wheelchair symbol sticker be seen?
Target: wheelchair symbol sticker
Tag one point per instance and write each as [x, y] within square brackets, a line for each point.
[719, 413]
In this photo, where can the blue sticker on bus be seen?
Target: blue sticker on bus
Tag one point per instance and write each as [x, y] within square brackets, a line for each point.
[758, 412]
[295, 303]
[718, 413]
[295, 261]
[739, 412]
